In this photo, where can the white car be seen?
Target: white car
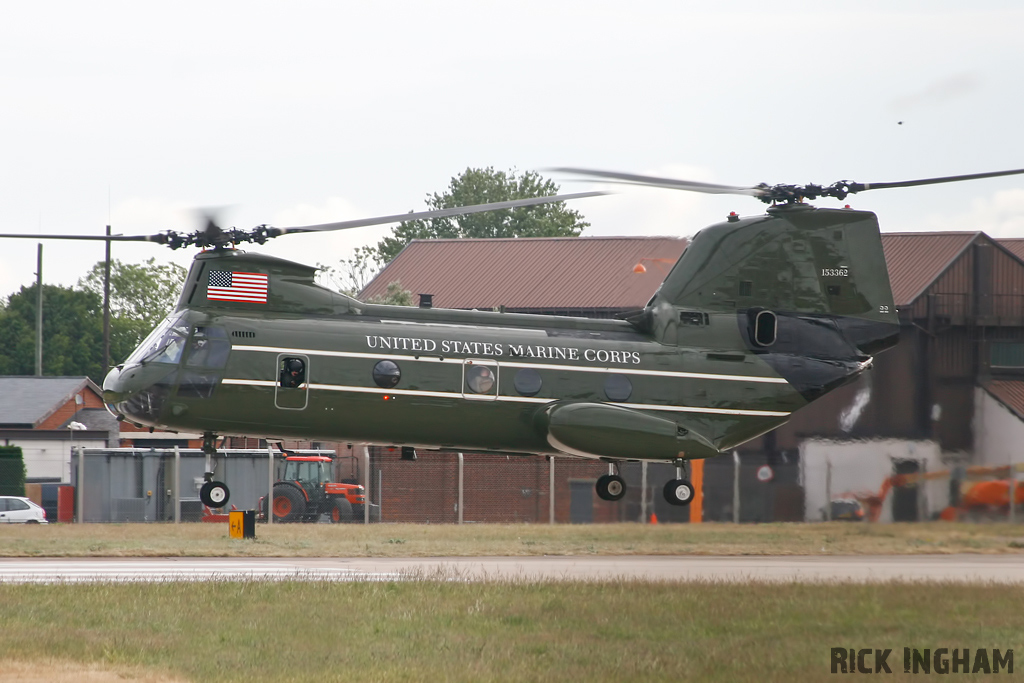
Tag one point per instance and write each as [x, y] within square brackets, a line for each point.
[15, 510]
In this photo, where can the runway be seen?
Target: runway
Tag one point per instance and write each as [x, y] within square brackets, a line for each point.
[861, 568]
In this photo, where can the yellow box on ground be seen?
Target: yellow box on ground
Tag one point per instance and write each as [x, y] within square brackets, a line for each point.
[242, 524]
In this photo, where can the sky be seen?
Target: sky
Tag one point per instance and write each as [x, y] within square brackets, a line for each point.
[140, 114]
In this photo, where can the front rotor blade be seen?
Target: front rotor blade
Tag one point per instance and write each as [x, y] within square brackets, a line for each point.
[106, 238]
[652, 181]
[860, 187]
[437, 213]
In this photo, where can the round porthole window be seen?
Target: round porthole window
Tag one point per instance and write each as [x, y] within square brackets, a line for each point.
[528, 382]
[386, 374]
[479, 379]
[617, 387]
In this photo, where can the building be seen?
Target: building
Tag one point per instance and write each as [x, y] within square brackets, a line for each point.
[48, 417]
[951, 392]
[951, 388]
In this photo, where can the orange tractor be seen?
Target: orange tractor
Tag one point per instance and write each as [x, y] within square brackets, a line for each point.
[989, 497]
[305, 490]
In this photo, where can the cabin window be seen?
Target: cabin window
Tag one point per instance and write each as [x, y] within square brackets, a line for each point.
[479, 379]
[765, 328]
[386, 374]
[164, 344]
[292, 372]
[617, 387]
[746, 287]
[209, 348]
[528, 382]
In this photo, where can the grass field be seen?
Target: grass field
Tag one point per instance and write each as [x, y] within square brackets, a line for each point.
[414, 540]
[432, 629]
[498, 631]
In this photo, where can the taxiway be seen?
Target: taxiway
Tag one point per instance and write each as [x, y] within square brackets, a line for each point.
[860, 568]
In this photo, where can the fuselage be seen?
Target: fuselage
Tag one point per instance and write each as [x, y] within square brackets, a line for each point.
[436, 401]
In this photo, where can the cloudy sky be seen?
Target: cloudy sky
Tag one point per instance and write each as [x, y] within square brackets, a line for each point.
[294, 113]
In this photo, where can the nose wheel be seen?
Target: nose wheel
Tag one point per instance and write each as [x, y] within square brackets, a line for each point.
[214, 494]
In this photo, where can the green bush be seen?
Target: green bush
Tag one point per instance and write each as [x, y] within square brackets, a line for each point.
[12, 471]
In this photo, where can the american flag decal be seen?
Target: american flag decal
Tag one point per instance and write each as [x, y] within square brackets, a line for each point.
[231, 286]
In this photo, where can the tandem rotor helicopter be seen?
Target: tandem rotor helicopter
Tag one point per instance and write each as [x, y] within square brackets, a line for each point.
[758, 317]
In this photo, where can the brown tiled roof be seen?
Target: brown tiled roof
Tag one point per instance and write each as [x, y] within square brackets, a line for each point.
[916, 259]
[597, 272]
[1009, 392]
[1015, 245]
[569, 273]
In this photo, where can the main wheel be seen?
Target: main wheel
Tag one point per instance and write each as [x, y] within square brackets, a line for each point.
[678, 492]
[289, 505]
[610, 487]
[214, 494]
[341, 510]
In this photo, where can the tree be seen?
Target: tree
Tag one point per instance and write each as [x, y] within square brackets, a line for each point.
[351, 275]
[395, 295]
[72, 333]
[141, 295]
[12, 471]
[479, 186]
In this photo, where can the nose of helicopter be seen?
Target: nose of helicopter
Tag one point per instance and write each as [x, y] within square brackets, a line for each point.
[113, 389]
[137, 391]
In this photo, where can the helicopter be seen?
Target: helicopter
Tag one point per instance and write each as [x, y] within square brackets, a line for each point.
[759, 317]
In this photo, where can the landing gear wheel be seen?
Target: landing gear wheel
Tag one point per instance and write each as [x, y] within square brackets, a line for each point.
[678, 492]
[341, 511]
[289, 505]
[214, 494]
[610, 487]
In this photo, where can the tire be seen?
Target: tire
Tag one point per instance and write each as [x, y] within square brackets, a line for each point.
[610, 487]
[289, 505]
[214, 494]
[678, 492]
[341, 511]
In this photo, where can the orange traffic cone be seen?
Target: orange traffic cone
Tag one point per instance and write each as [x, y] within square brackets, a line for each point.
[654, 518]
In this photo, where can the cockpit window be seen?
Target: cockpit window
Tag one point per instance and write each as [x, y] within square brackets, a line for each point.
[164, 344]
[209, 348]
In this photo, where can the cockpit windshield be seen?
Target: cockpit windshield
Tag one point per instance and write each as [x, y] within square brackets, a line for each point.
[164, 344]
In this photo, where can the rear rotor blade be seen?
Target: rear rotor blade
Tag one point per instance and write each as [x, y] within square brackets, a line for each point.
[860, 187]
[652, 181]
[438, 213]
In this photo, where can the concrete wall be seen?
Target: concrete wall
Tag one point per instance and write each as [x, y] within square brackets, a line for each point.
[998, 433]
[861, 467]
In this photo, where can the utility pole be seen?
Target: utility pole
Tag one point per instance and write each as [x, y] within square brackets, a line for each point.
[39, 310]
[106, 307]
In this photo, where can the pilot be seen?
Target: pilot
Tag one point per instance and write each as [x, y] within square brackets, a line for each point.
[294, 373]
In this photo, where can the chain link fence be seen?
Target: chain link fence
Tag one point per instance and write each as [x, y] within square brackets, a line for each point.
[819, 482]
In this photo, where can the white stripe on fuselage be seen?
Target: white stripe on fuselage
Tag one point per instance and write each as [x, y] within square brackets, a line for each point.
[513, 364]
[507, 399]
